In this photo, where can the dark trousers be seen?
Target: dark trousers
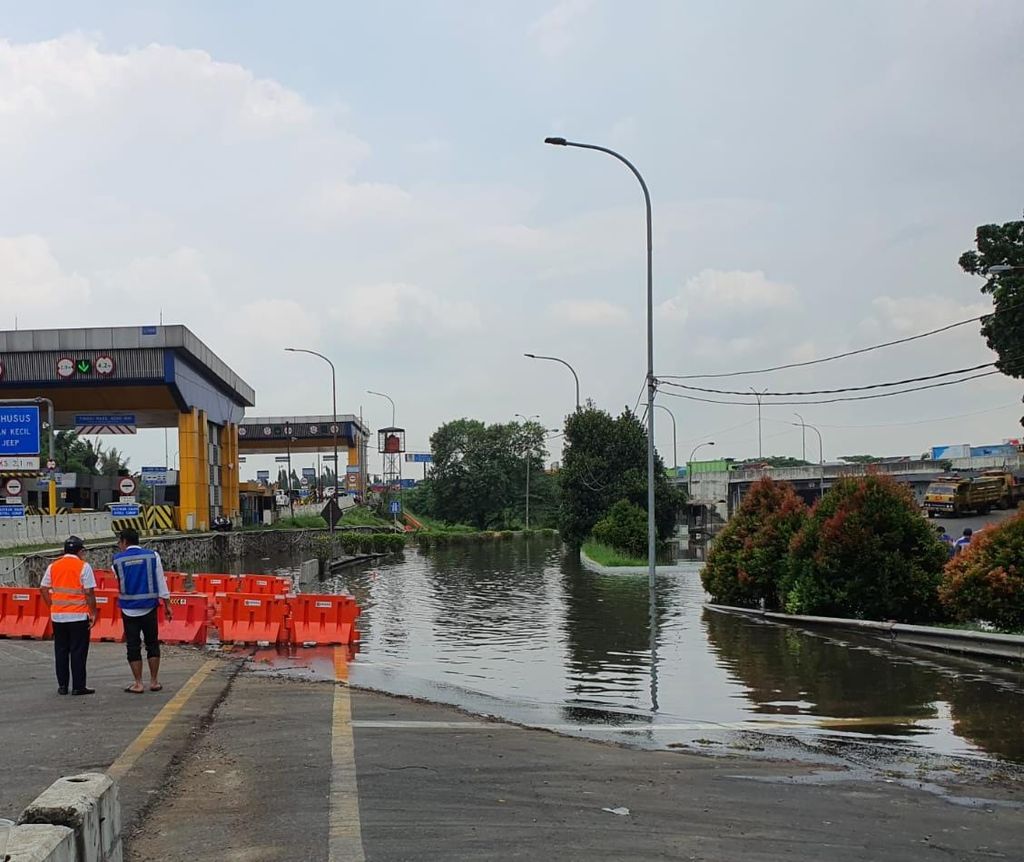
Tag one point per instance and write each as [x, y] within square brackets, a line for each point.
[71, 649]
[137, 628]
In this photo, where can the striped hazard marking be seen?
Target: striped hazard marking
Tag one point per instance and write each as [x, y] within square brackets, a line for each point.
[159, 517]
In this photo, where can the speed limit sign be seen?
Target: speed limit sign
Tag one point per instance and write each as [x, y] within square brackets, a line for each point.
[12, 487]
[126, 486]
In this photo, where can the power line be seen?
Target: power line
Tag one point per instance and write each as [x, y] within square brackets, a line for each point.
[834, 391]
[914, 421]
[856, 352]
[842, 398]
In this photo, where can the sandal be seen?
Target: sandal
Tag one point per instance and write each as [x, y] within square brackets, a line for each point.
[131, 689]
[157, 687]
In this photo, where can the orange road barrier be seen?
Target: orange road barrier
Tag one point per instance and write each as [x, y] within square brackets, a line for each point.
[323, 619]
[175, 581]
[264, 585]
[23, 614]
[190, 619]
[109, 626]
[212, 584]
[252, 618]
[106, 580]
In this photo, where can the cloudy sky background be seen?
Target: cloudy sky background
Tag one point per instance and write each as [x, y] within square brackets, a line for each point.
[369, 180]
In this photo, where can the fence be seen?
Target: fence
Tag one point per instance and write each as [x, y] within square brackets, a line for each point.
[53, 529]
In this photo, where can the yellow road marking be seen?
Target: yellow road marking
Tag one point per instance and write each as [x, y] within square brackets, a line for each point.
[345, 838]
[126, 760]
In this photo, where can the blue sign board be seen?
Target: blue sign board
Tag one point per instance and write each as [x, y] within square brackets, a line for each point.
[19, 430]
[419, 458]
[12, 511]
[407, 483]
[309, 472]
[149, 330]
[262, 475]
[104, 419]
[124, 510]
[155, 476]
[395, 507]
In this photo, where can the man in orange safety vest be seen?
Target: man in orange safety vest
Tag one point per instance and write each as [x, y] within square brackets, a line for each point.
[68, 589]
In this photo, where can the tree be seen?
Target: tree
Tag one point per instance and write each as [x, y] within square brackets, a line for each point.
[624, 528]
[72, 454]
[605, 460]
[479, 471]
[1004, 328]
[860, 459]
[865, 552]
[110, 462]
[774, 461]
[751, 552]
[986, 581]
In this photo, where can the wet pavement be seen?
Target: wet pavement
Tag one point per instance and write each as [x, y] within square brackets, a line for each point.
[519, 631]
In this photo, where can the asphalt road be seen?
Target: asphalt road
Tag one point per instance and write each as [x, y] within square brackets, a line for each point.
[956, 526]
[255, 766]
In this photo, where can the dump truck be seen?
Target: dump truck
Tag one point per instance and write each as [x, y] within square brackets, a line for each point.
[1013, 488]
[958, 495]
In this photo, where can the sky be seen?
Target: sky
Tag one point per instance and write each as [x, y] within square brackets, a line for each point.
[370, 181]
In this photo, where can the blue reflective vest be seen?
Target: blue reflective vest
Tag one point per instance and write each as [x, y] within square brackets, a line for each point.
[136, 573]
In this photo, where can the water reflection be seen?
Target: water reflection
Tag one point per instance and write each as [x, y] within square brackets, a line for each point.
[519, 630]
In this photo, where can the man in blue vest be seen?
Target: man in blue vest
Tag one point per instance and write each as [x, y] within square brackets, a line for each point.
[140, 575]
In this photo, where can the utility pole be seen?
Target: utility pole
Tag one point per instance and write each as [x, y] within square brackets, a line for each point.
[757, 395]
[803, 437]
[526, 421]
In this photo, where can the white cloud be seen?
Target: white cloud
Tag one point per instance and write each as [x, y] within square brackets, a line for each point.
[715, 293]
[378, 307]
[590, 313]
[913, 314]
[32, 279]
[556, 30]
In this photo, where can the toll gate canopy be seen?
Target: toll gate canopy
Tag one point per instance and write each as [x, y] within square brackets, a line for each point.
[127, 377]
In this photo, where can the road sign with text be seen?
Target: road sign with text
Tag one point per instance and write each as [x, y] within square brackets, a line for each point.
[19, 431]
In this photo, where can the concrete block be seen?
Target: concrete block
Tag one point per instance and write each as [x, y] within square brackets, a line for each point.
[40, 842]
[88, 805]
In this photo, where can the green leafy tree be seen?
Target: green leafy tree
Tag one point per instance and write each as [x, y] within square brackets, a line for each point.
[605, 460]
[860, 459]
[111, 462]
[72, 453]
[479, 471]
[986, 581]
[1004, 329]
[751, 553]
[774, 461]
[865, 552]
[624, 528]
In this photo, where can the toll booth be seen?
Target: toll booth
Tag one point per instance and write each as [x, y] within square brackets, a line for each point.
[119, 379]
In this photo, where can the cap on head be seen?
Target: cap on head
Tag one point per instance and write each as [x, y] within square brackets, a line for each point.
[73, 545]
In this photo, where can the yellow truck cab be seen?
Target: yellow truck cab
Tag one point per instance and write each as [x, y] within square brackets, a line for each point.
[959, 495]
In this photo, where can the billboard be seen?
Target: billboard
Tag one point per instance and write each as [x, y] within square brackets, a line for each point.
[955, 450]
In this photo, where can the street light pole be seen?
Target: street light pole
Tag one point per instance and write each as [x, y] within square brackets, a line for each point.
[334, 416]
[821, 456]
[675, 448]
[392, 400]
[803, 438]
[567, 365]
[527, 419]
[689, 466]
[757, 395]
[652, 384]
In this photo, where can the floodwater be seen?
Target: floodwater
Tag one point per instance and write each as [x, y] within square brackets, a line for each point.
[521, 631]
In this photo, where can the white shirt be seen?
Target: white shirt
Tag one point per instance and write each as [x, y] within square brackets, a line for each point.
[88, 583]
[161, 587]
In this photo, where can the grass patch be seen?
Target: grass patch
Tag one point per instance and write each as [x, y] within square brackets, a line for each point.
[362, 516]
[606, 556]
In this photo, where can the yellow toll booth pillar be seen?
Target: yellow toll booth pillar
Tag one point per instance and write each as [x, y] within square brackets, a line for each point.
[229, 480]
[194, 476]
[353, 461]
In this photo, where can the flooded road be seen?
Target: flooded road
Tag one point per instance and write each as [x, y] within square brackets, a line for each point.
[519, 630]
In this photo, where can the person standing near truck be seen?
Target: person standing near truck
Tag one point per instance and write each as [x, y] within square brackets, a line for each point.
[140, 576]
[963, 541]
[68, 588]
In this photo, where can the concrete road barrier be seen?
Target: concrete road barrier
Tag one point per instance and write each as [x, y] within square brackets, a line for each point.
[86, 804]
[41, 842]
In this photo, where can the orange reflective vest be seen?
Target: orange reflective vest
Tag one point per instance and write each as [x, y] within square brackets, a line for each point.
[67, 593]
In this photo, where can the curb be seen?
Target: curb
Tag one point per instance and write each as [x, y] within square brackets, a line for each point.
[989, 644]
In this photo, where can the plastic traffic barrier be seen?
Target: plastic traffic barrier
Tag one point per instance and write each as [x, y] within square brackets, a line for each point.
[323, 619]
[211, 584]
[109, 626]
[264, 585]
[106, 580]
[175, 581]
[189, 622]
[23, 614]
[252, 618]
